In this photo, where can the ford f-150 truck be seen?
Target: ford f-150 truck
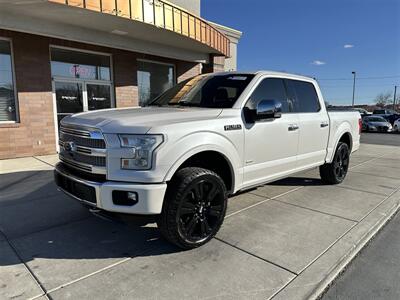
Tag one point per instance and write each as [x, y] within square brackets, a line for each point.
[211, 136]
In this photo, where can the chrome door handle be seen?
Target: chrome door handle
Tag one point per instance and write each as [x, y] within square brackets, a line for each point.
[324, 124]
[293, 127]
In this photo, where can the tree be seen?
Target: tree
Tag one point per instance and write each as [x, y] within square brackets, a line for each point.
[383, 98]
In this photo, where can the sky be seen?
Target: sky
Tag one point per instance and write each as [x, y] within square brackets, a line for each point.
[325, 39]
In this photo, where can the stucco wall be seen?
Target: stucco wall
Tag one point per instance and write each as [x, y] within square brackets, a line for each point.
[190, 5]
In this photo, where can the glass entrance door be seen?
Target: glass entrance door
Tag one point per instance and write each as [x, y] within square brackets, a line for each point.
[69, 98]
[74, 96]
[98, 96]
[78, 96]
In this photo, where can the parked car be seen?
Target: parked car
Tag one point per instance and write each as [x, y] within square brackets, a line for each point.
[208, 137]
[384, 112]
[363, 112]
[391, 118]
[396, 125]
[377, 124]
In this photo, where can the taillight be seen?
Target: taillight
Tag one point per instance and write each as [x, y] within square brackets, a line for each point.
[359, 125]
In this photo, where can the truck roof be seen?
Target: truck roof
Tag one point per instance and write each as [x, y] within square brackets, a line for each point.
[268, 72]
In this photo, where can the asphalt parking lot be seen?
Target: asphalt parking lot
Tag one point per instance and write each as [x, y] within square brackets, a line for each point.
[389, 139]
[285, 240]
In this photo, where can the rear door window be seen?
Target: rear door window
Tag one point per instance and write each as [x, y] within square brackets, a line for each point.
[304, 96]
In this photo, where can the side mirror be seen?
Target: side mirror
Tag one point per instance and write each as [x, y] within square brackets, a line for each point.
[268, 109]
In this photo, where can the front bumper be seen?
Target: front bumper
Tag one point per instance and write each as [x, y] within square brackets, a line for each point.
[377, 129]
[100, 194]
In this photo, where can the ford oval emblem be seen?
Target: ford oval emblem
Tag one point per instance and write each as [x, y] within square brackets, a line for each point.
[69, 146]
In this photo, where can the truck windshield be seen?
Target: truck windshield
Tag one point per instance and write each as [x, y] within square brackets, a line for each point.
[214, 91]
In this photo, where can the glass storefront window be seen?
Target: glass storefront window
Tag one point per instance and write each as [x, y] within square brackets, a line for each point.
[74, 64]
[7, 89]
[153, 80]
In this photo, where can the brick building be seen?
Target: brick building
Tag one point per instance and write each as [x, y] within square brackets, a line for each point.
[59, 57]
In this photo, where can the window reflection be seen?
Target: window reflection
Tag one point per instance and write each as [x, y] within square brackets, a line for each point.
[74, 64]
[153, 80]
[7, 92]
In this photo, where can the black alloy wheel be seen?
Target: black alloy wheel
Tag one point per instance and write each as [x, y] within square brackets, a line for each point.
[200, 211]
[194, 207]
[341, 162]
[336, 171]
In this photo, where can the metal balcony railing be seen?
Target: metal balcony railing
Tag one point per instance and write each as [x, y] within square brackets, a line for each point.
[161, 14]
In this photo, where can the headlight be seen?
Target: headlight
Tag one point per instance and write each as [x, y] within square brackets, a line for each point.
[142, 147]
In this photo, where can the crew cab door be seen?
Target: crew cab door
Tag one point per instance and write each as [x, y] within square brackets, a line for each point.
[271, 145]
[313, 123]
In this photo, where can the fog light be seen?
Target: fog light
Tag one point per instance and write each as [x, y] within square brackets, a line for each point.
[132, 196]
[125, 198]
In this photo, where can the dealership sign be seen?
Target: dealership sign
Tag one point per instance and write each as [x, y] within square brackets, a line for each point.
[80, 71]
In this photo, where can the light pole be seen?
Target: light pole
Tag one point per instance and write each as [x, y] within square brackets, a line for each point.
[394, 97]
[354, 87]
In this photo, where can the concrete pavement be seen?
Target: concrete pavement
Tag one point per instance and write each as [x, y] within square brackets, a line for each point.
[285, 240]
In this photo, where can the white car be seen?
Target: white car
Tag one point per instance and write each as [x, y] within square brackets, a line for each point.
[211, 136]
[396, 125]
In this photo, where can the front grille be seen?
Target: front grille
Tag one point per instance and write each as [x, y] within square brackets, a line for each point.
[83, 149]
[99, 161]
[77, 189]
[383, 128]
[82, 141]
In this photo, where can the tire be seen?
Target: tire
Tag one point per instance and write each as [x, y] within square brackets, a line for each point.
[194, 207]
[335, 172]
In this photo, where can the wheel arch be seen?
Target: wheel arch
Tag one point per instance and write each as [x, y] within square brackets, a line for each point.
[208, 158]
[344, 136]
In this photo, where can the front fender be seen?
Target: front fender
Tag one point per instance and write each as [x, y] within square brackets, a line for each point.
[198, 142]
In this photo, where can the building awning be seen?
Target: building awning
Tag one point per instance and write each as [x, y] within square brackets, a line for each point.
[147, 26]
[152, 21]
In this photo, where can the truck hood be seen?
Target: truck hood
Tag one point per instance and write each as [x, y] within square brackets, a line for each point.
[139, 120]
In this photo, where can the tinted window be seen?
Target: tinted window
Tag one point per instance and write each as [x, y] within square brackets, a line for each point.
[269, 89]
[306, 98]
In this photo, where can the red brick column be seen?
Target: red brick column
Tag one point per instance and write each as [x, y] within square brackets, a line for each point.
[34, 134]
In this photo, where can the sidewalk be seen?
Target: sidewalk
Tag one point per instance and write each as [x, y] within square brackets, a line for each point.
[285, 240]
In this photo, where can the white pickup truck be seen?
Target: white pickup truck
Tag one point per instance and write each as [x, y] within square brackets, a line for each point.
[203, 140]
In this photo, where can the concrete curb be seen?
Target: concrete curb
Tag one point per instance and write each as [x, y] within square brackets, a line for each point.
[315, 279]
[321, 289]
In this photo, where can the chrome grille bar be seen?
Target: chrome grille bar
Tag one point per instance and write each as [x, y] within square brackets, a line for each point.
[83, 149]
[84, 167]
[87, 150]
